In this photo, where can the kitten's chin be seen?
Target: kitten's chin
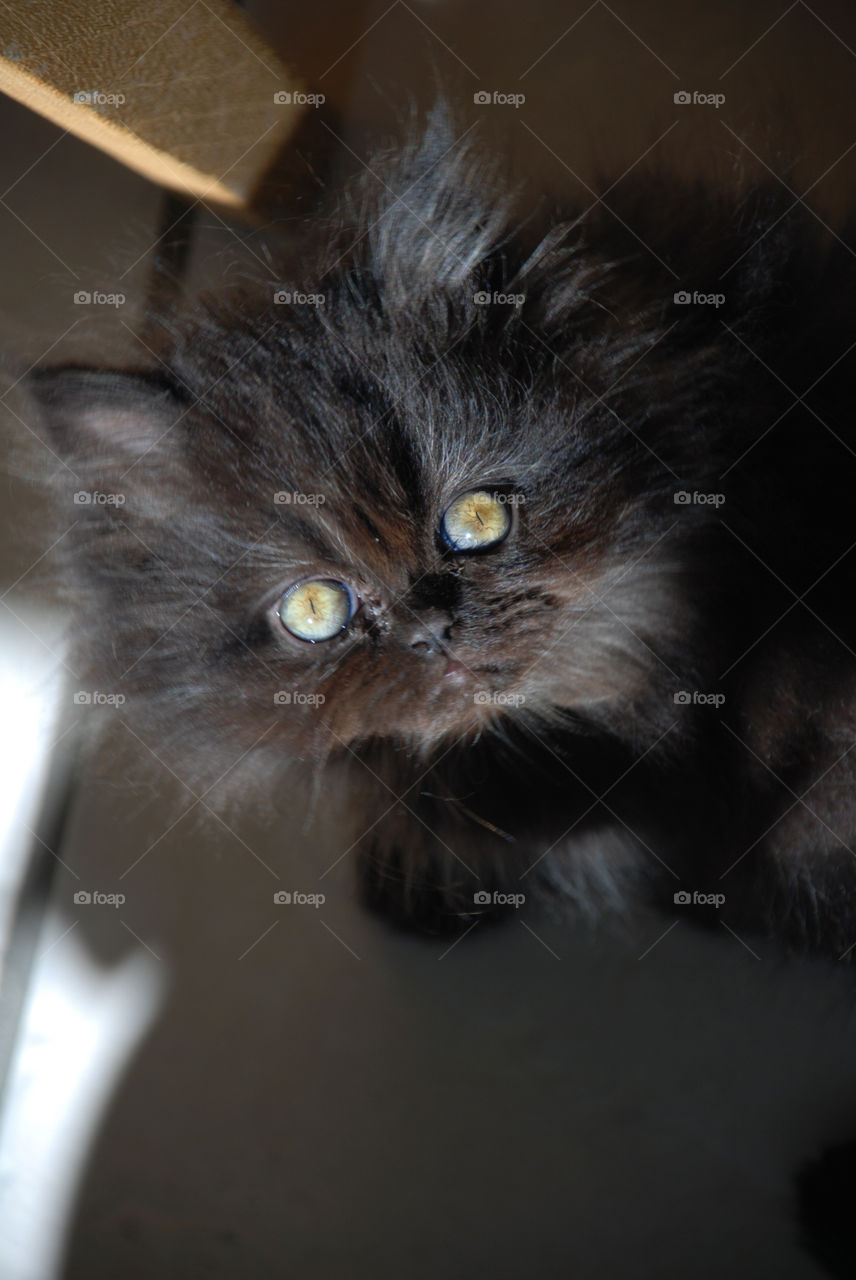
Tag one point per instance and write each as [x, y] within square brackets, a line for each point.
[429, 719]
[461, 710]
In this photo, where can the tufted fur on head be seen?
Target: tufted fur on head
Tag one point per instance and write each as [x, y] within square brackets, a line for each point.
[432, 336]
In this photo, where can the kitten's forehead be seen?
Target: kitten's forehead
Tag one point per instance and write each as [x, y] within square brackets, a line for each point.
[380, 505]
[346, 529]
[422, 449]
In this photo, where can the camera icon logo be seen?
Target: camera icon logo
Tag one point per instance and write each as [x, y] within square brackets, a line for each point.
[281, 698]
[82, 897]
[481, 898]
[682, 498]
[481, 299]
[682, 898]
[282, 898]
[682, 698]
[682, 298]
[682, 98]
[282, 97]
[281, 499]
[82, 698]
[481, 98]
[82, 297]
[82, 499]
[282, 297]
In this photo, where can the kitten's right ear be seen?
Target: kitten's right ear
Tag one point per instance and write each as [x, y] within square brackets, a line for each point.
[104, 415]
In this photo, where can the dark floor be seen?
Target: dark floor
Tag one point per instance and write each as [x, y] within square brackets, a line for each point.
[322, 1098]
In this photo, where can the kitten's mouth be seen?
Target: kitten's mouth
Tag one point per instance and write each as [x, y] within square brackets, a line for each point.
[455, 674]
[452, 678]
[477, 690]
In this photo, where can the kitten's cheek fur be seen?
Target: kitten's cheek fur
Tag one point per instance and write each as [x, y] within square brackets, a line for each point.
[617, 648]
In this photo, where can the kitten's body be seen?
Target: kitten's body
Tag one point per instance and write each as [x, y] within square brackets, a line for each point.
[511, 710]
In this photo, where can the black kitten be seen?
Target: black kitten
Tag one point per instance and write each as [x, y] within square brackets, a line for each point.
[540, 528]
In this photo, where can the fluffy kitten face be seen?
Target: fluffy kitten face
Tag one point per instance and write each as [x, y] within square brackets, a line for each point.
[437, 633]
[373, 414]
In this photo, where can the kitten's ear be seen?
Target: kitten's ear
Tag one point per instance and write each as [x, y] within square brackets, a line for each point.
[101, 415]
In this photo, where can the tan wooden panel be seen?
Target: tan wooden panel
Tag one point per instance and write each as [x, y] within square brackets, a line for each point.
[188, 94]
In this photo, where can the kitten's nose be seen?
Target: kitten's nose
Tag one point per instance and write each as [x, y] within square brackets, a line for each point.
[429, 632]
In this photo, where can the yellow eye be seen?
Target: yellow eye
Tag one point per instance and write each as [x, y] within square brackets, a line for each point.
[317, 610]
[475, 520]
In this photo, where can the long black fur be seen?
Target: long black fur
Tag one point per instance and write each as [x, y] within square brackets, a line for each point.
[594, 400]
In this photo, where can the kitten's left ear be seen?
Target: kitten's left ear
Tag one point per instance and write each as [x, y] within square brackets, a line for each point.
[95, 416]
